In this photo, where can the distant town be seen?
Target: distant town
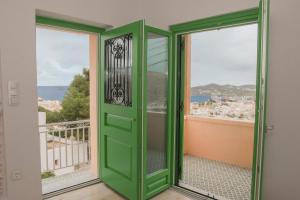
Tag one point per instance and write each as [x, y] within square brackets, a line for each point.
[213, 100]
[50, 97]
[236, 108]
[51, 105]
[224, 102]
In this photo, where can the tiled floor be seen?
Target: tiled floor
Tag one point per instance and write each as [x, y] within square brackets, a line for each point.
[101, 192]
[63, 181]
[219, 180]
[223, 181]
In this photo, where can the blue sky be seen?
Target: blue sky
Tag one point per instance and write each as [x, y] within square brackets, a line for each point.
[60, 56]
[226, 56]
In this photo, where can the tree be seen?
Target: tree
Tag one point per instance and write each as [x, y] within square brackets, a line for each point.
[75, 105]
[51, 116]
[76, 102]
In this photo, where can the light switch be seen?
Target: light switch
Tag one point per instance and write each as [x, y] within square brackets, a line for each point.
[12, 85]
[12, 93]
[13, 100]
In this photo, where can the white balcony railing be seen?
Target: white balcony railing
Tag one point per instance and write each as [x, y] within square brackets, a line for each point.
[65, 145]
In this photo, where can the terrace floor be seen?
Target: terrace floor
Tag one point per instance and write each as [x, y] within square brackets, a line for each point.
[213, 178]
[67, 180]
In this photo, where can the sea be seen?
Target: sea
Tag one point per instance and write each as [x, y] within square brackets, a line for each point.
[200, 99]
[58, 93]
[52, 92]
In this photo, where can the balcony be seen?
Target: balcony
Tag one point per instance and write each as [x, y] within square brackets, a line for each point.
[66, 154]
[218, 157]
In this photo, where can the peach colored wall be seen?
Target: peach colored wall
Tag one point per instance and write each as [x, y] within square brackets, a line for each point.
[222, 140]
[93, 102]
[187, 59]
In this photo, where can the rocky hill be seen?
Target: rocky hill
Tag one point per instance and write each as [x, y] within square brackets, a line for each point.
[223, 90]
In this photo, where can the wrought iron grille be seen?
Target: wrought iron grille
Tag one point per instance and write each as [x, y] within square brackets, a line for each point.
[118, 69]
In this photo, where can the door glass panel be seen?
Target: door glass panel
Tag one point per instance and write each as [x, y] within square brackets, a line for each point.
[157, 86]
[118, 67]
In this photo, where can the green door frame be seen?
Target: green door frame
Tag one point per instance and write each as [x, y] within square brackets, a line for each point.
[250, 16]
[67, 25]
[263, 62]
[83, 28]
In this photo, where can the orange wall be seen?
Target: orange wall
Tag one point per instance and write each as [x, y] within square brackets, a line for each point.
[222, 140]
[93, 41]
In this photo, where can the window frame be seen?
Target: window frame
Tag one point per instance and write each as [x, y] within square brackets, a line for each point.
[59, 24]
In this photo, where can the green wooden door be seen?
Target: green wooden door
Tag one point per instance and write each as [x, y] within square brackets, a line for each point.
[120, 109]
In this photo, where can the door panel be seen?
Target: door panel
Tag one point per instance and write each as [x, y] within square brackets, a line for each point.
[156, 111]
[119, 116]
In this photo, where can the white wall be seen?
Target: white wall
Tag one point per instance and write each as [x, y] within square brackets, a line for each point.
[17, 46]
[18, 62]
[282, 160]
[164, 13]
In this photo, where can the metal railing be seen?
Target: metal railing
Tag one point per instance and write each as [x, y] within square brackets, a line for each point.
[65, 144]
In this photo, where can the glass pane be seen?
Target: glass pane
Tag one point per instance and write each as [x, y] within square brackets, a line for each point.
[118, 64]
[157, 74]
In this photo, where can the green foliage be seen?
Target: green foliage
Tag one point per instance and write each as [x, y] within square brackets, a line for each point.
[76, 102]
[51, 116]
[75, 105]
[47, 174]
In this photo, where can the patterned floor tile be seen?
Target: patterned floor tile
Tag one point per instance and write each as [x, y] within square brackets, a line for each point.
[217, 179]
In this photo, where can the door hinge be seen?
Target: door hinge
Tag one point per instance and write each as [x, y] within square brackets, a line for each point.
[179, 172]
[181, 106]
[182, 45]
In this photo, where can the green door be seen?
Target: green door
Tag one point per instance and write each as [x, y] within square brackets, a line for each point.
[120, 109]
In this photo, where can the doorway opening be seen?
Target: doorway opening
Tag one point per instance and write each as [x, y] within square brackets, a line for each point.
[220, 76]
[67, 103]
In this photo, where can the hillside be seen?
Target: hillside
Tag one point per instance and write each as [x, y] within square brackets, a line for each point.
[223, 90]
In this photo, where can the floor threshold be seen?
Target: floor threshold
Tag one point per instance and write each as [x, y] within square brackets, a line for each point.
[72, 188]
[190, 194]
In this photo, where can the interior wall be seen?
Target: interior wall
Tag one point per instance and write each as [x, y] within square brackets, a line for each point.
[281, 165]
[168, 12]
[18, 62]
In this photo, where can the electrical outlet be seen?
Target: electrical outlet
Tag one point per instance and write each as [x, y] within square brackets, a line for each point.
[16, 175]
